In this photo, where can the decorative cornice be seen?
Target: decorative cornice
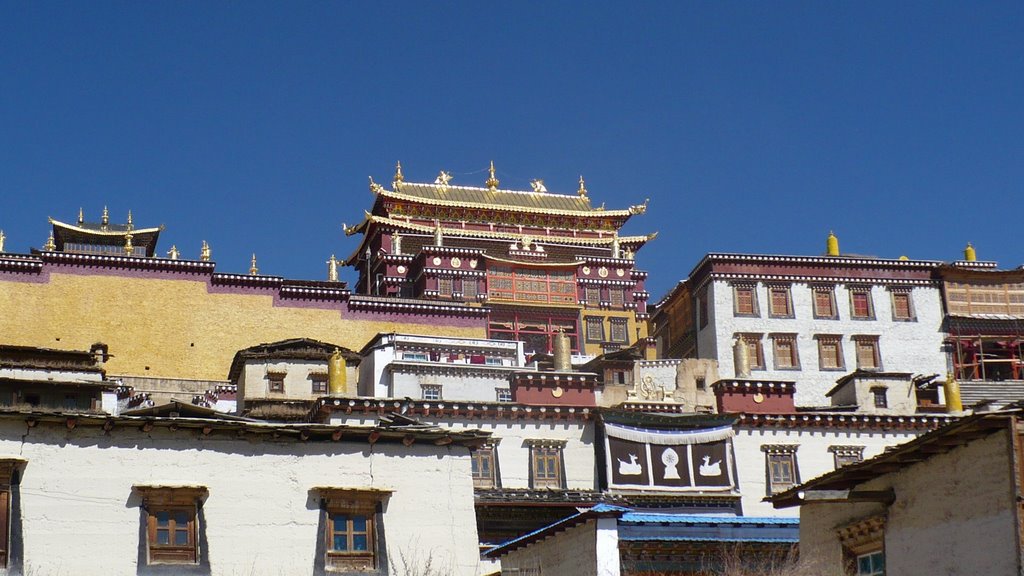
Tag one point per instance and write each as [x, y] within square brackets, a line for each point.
[845, 420]
[437, 409]
[778, 387]
[133, 262]
[820, 279]
[377, 304]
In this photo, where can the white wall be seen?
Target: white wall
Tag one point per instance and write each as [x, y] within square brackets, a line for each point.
[903, 346]
[812, 457]
[572, 552]
[458, 382]
[80, 515]
[953, 515]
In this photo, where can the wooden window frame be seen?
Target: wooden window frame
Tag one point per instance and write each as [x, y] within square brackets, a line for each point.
[470, 289]
[503, 394]
[275, 382]
[318, 383]
[484, 457]
[427, 392]
[597, 321]
[837, 341]
[755, 351]
[351, 504]
[787, 301]
[592, 295]
[546, 464]
[846, 455]
[794, 352]
[617, 324]
[777, 458]
[858, 342]
[868, 301]
[879, 396]
[173, 501]
[445, 286]
[10, 468]
[829, 292]
[897, 316]
[741, 308]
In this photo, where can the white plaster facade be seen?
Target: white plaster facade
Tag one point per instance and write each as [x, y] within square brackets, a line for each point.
[298, 377]
[376, 379]
[904, 346]
[813, 457]
[79, 514]
[594, 547]
[954, 515]
[512, 438]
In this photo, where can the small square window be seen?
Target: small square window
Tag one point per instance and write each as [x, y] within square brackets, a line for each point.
[430, 392]
[595, 328]
[860, 304]
[352, 534]
[846, 455]
[745, 300]
[830, 353]
[785, 352]
[879, 396]
[318, 384]
[275, 382]
[445, 286]
[483, 467]
[593, 295]
[469, 289]
[779, 303]
[782, 471]
[172, 531]
[546, 465]
[504, 394]
[867, 353]
[871, 564]
[824, 302]
[615, 298]
[901, 306]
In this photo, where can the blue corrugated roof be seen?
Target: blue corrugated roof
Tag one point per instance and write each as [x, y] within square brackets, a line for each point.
[654, 518]
[793, 540]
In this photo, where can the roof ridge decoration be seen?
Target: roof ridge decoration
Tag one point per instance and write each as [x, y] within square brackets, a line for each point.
[492, 182]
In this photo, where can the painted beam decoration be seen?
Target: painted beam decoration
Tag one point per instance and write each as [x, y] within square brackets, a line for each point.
[669, 460]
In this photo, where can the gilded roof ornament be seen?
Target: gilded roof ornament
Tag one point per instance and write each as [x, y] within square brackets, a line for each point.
[129, 224]
[438, 235]
[492, 182]
[582, 191]
[204, 252]
[81, 216]
[398, 173]
[128, 248]
[50, 245]
[3, 237]
[332, 269]
[443, 178]
[374, 187]
[639, 208]
[538, 185]
[253, 270]
[173, 253]
[105, 219]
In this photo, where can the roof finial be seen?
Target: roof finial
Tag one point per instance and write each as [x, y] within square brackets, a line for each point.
[129, 250]
[332, 269]
[583, 189]
[398, 173]
[253, 270]
[106, 218]
[374, 187]
[50, 245]
[438, 235]
[970, 254]
[204, 252]
[173, 253]
[129, 224]
[832, 245]
[538, 185]
[2, 238]
[443, 178]
[81, 216]
[492, 182]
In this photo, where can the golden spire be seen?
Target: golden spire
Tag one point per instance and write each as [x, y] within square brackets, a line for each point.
[253, 270]
[332, 269]
[50, 245]
[398, 173]
[492, 182]
[204, 252]
[2, 238]
[105, 219]
[970, 254]
[831, 245]
[81, 216]
[128, 248]
[173, 252]
[130, 226]
[583, 189]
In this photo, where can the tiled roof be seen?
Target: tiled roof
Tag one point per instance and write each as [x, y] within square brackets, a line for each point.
[468, 195]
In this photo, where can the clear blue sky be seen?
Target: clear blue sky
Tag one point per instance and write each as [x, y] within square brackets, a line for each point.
[752, 127]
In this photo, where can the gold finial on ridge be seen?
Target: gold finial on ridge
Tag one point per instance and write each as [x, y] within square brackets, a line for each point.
[970, 254]
[81, 216]
[173, 253]
[332, 269]
[204, 252]
[583, 189]
[50, 245]
[129, 224]
[492, 182]
[253, 270]
[398, 173]
[105, 219]
[129, 249]
[831, 245]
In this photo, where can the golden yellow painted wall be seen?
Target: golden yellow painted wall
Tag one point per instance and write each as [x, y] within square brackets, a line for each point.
[631, 327]
[173, 327]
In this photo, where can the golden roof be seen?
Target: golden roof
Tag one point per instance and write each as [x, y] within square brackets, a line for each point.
[112, 229]
[497, 199]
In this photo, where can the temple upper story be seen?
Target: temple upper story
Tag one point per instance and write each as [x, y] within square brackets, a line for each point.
[102, 237]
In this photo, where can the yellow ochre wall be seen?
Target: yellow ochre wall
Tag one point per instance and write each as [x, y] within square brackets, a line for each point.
[594, 348]
[173, 327]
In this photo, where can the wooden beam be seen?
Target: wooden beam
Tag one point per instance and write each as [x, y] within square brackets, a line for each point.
[887, 496]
